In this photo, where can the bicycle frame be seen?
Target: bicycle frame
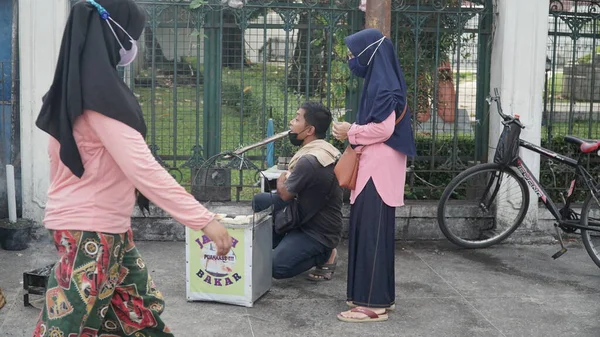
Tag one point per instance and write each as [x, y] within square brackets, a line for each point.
[541, 192]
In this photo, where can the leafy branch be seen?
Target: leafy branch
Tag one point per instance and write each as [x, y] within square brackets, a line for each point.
[195, 4]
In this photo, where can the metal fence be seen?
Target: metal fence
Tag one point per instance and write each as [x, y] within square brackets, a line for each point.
[209, 79]
[572, 90]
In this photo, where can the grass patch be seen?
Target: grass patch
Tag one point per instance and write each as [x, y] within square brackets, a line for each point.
[466, 76]
[175, 127]
[175, 119]
[581, 129]
[558, 84]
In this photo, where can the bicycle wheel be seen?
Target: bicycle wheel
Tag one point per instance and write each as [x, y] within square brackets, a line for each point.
[483, 205]
[590, 216]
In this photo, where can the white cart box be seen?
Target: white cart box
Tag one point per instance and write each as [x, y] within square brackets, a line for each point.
[242, 276]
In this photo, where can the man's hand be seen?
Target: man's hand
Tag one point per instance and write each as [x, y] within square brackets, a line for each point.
[282, 178]
[219, 235]
[282, 189]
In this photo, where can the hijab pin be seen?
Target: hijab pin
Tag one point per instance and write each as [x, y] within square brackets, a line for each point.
[103, 13]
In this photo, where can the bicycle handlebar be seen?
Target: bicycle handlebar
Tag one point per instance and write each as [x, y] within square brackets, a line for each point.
[507, 118]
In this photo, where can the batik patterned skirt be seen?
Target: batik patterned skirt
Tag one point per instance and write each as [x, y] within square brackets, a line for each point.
[100, 287]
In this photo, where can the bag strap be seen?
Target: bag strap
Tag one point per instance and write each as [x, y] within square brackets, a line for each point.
[398, 120]
[327, 197]
[402, 114]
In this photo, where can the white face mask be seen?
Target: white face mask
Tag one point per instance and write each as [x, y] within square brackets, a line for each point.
[127, 56]
[378, 42]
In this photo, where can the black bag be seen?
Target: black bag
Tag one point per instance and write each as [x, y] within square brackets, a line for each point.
[507, 150]
[289, 217]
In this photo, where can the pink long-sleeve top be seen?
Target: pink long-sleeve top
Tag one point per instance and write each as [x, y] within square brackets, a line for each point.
[116, 160]
[386, 166]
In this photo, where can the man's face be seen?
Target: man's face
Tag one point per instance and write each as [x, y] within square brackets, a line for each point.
[298, 124]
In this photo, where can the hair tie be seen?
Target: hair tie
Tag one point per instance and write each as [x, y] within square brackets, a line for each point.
[103, 13]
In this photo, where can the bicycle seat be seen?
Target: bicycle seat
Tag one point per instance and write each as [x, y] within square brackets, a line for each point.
[585, 145]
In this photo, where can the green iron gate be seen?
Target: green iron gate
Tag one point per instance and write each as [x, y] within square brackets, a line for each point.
[572, 89]
[209, 77]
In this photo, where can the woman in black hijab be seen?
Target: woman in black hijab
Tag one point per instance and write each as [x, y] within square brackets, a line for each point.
[98, 159]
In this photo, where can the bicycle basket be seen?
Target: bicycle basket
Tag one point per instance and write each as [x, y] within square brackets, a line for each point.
[507, 150]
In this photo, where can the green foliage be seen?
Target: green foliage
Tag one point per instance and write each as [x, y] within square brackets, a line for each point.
[340, 73]
[313, 73]
[587, 58]
[195, 4]
[556, 178]
[236, 97]
[420, 58]
[434, 170]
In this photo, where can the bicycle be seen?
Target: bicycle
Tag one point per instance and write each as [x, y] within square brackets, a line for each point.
[490, 213]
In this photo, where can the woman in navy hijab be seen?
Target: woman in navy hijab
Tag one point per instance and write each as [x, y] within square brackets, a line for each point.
[382, 133]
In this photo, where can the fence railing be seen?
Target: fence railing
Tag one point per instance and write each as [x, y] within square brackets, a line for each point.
[211, 79]
[572, 86]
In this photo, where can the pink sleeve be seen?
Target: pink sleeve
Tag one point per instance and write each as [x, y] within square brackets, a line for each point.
[130, 151]
[53, 154]
[372, 133]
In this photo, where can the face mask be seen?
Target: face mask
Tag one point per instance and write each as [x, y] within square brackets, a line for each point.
[294, 138]
[127, 56]
[358, 69]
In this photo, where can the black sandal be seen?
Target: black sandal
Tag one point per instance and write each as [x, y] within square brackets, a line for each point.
[323, 273]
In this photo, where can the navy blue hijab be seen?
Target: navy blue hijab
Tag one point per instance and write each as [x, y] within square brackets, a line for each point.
[384, 88]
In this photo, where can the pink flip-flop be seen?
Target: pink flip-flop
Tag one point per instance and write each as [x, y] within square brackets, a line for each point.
[352, 305]
[370, 316]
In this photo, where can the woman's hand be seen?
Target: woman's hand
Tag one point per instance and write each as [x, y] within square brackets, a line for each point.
[340, 130]
[219, 235]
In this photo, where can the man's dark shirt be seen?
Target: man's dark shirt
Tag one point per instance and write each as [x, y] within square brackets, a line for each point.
[311, 182]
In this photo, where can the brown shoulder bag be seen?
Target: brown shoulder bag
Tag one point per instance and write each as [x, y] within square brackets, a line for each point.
[346, 169]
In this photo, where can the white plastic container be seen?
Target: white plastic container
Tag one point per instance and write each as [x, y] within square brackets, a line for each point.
[239, 278]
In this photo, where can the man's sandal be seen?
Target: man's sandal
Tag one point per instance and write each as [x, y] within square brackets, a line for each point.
[352, 305]
[370, 316]
[322, 273]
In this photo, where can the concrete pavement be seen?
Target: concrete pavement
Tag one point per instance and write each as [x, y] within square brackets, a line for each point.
[507, 290]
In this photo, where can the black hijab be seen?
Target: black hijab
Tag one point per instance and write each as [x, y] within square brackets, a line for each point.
[86, 75]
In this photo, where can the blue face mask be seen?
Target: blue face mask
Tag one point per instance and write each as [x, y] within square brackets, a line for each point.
[358, 69]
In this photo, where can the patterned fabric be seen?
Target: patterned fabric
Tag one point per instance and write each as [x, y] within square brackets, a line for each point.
[100, 287]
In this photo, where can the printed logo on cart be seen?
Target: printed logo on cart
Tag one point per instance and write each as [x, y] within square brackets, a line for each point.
[217, 270]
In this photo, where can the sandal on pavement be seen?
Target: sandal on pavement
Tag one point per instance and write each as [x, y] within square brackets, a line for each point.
[370, 316]
[352, 305]
[322, 273]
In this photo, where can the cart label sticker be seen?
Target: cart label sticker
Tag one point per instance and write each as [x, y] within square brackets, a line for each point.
[214, 273]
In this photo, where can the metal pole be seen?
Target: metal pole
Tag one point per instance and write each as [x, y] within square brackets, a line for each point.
[379, 15]
[545, 115]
